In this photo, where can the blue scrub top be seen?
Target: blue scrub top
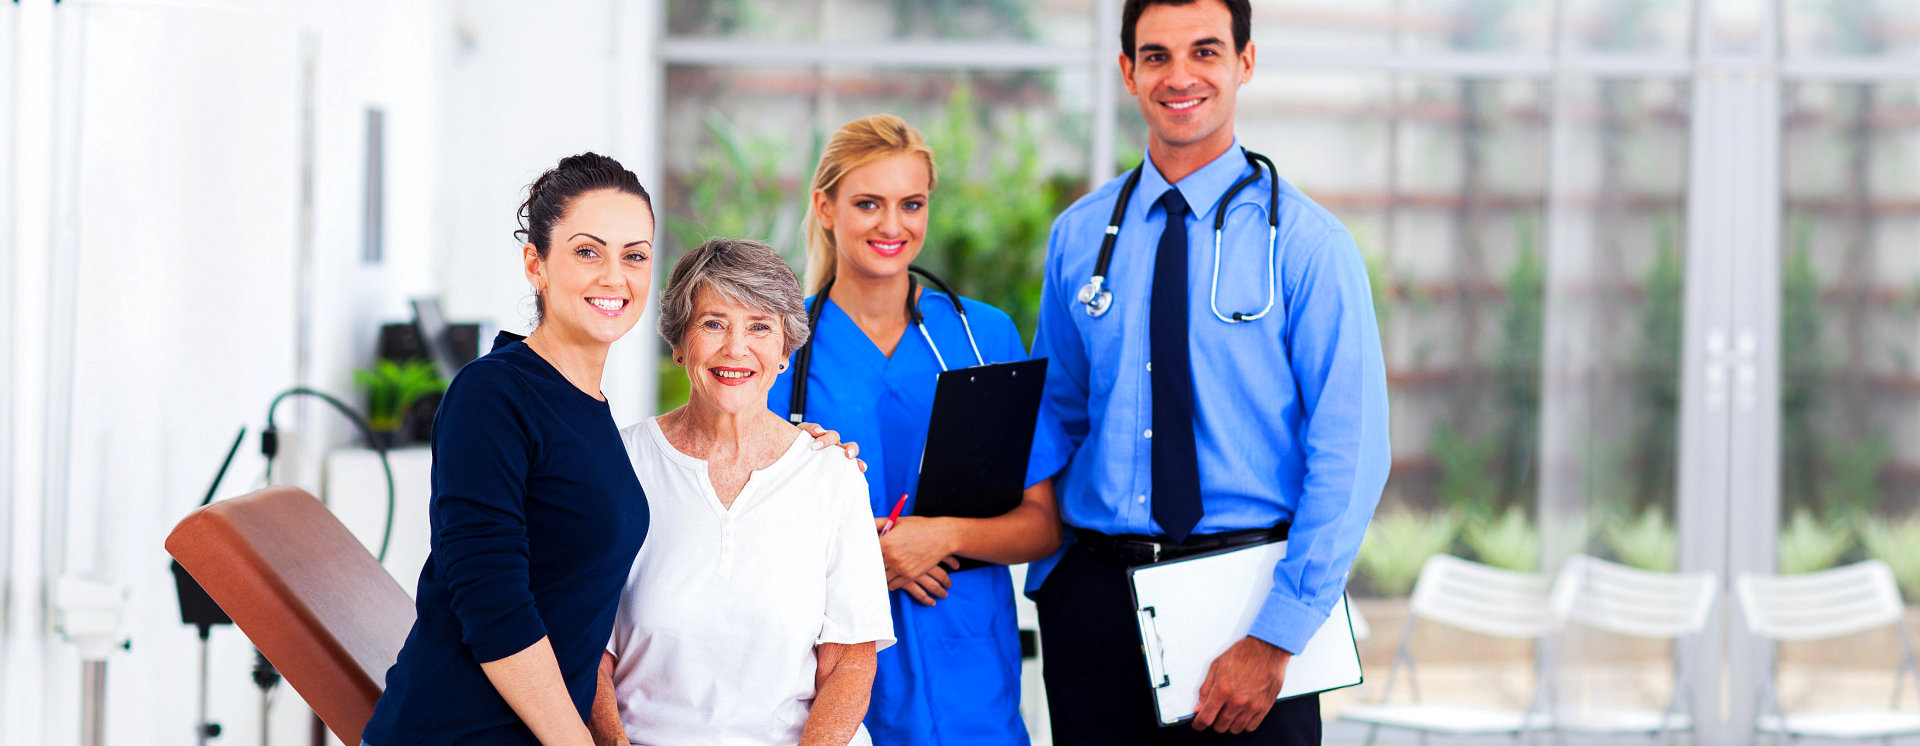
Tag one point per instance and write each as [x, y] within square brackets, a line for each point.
[954, 676]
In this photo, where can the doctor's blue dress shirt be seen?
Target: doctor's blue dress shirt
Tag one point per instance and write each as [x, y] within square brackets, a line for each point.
[954, 676]
[1289, 411]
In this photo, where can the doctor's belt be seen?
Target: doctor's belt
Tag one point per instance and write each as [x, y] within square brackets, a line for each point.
[1135, 549]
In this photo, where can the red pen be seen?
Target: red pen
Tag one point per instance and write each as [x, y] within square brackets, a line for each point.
[894, 517]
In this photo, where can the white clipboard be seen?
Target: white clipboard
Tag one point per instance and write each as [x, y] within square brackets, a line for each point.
[1192, 609]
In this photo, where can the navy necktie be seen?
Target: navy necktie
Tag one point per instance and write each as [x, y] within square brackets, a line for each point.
[1176, 469]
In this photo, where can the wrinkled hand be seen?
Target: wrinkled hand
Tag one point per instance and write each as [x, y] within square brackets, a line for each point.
[914, 552]
[1241, 686]
[823, 437]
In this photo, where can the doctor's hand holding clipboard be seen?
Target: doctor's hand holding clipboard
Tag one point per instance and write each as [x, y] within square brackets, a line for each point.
[881, 341]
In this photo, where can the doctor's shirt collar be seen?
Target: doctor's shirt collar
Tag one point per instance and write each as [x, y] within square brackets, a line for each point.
[1201, 189]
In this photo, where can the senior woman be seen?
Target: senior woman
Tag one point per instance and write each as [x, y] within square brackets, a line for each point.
[754, 612]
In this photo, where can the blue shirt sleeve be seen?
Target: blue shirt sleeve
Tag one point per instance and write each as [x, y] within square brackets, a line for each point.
[483, 446]
[1058, 340]
[1334, 352]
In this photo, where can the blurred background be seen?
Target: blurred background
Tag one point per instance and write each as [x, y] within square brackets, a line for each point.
[1647, 274]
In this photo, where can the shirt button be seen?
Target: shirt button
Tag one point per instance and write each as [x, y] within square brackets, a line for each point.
[1143, 499]
[1148, 433]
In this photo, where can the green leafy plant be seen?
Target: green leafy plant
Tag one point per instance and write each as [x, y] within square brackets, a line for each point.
[1896, 543]
[1517, 367]
[1648, 542]
[989, 246]
[1852, 486]
[1507, 541]
[1398, 543]
[392, 388]
[737, 189]
[960, 19]
[1808, 545]
[1467, 485]
[1803, 374]
[1654, 445]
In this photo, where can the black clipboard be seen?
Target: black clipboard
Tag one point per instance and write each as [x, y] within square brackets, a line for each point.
[979, 440]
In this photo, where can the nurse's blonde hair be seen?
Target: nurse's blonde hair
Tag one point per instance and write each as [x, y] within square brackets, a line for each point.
[855, 144]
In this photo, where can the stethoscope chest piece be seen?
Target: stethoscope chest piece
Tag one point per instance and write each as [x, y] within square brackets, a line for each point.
[1096, 297]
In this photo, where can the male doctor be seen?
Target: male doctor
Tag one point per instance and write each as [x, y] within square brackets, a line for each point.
[1198, 422]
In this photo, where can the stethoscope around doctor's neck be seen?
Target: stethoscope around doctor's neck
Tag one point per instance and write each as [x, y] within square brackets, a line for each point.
[803, 361]
[1097, 298]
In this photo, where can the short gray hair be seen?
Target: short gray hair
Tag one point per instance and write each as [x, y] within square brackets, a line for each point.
[741, 270]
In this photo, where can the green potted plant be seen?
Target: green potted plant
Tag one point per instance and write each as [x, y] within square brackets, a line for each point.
[392, 388]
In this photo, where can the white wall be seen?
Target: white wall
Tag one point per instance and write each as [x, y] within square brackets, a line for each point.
[526, 85]
[28, 138]
[181, 214]
[156, 305]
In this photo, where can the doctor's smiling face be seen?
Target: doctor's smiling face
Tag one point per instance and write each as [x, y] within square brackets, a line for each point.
[732, 352]
[1186, 75]
[593, 281]
[877, 215]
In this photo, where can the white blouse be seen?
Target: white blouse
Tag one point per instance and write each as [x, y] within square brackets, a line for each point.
[714, 640]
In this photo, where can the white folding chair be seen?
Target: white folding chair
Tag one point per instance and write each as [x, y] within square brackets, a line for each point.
[1636, 603]
[1820, 605]
[1476, 598]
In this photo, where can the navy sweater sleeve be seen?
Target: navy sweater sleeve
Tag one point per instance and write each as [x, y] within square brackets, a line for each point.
[483, 454]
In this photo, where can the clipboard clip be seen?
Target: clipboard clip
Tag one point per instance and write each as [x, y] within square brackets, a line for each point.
[1153, 649]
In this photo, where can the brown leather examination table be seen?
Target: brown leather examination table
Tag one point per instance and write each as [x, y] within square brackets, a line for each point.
[306, 592]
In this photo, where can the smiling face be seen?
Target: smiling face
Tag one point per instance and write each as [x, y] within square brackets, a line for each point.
[1186, 75]
[594, 279]
[877, 215]
[732, 353]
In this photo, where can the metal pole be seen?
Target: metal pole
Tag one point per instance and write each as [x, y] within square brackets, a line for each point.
[93, 701]
[203, 730]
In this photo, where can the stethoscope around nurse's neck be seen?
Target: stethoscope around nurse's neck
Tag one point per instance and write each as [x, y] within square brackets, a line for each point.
[1097, 298]
[803, 360]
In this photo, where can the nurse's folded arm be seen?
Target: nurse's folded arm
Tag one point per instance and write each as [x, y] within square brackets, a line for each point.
[917, 546]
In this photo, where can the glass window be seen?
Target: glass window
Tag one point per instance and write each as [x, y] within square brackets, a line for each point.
[1611, 372]
[1063, 22]
[1851, 28]
[1652, 27]
[1850, 391]
[1368, 27]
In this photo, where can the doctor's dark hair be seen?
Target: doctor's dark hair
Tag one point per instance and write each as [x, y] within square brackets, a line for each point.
[855, 144]
[550, 195]
[1241, 10]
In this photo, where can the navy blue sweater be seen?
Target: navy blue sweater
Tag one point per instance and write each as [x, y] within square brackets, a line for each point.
[536, 518]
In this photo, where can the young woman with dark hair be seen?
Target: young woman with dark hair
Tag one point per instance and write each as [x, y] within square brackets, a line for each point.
[536, 514]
